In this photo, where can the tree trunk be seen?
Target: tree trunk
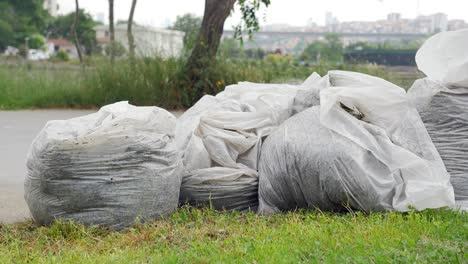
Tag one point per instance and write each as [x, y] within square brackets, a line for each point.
[111, 29]
[131, 39]
[206, 47]
[75, 35]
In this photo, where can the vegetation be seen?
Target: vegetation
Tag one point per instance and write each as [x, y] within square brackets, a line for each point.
[115, 49]
[36, 41]
[189, 24]
[209, 38]
[61, 26]
[331, 50]
[61, 56]
[232, 48]
[388, 53]
[402, 44]
[21, 19]
[154, 81]
[205, 236]
[198, 71]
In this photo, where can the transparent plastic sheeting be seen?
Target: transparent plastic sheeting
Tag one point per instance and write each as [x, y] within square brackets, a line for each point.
[221, 136]
[108, 168]
[444, 58]
[444, 111]
[365, 147]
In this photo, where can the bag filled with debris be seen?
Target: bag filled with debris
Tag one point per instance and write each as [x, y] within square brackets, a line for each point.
[220, 139]
[365, 148]
[442, 101]
[108, 168]
[444, 112]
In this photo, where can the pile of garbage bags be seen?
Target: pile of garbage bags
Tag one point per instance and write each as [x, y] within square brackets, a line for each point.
[220, 139]
[344, 141]
[363, 148]
[442, 101]
[109, 168]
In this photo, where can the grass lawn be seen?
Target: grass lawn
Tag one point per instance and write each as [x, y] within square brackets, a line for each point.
[204, 236]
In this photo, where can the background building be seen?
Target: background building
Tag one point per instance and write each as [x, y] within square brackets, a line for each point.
[394, 29]
[51, 6]
[394, 17]
[149, 41]
[331, 23]
[56, 45]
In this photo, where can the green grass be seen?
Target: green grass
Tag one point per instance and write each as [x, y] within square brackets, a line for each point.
[147, 82]
[204, 236]
[23, 88]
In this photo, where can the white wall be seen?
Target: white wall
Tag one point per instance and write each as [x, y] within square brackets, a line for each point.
[148, 41]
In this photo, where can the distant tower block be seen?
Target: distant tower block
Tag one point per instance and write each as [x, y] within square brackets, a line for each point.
[51, 6]
[418, 8]
[100, 17]
[394, 17]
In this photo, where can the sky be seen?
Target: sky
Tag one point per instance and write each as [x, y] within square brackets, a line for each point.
[161, 13]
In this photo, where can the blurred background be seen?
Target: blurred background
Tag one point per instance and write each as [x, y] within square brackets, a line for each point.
[84, 54]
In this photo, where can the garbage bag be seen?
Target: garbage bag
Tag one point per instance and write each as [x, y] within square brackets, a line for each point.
[220, 138]
[364, 148]
[222, 188]
[309, 95]
[444, 111]
[108, 168]
[444, 58]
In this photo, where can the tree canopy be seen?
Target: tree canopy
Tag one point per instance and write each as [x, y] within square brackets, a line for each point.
[189, 24]
[61, 28]
[28, 19]
[207, 42]
[249, 22]
[331, 49]
[21, 19]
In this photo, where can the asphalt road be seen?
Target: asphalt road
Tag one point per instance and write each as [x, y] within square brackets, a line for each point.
[17, 131]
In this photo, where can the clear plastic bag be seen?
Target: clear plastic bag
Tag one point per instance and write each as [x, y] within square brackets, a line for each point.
[444, 112]
[444, 58]
[364, 148]
[109, 168]
[220, 138]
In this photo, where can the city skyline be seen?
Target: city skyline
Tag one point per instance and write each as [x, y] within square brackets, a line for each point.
[393, 23]
[302, 12]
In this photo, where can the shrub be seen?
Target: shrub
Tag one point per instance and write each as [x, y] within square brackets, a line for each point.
[61, 56]
[36, 41]
[115, 48]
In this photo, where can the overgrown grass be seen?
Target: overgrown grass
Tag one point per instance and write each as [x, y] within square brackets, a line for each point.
[204, 236]
[23, 88]
[146, 82]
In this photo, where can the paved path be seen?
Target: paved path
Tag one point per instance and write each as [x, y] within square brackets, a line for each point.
[17, 130]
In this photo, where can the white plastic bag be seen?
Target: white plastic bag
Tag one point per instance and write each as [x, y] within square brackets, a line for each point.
[444, 112]
[306, 165]
[220, 138]
[107, 168]
[442, 101]
[408, 149]
[444, 58]
[391, 163]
